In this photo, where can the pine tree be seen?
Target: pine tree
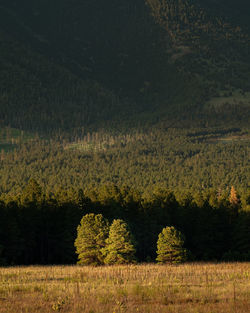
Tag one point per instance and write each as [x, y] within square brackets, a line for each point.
[32, 192]
[91, 235]
[119, 245]
[170, 246]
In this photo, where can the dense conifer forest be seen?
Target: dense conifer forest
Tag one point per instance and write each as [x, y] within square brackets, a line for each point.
[134, 109]
[40, 229]
[182, 160]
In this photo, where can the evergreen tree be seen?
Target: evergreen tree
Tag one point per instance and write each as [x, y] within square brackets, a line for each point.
[234, 198]
[91, 235]
[32, 192]
[170, 246]
[119, 245]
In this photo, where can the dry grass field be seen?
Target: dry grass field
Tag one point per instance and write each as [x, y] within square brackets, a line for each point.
[209, 288]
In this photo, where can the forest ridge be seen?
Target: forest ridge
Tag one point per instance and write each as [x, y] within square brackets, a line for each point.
[71, 64]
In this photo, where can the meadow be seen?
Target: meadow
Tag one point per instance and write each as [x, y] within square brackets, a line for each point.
[196, 287]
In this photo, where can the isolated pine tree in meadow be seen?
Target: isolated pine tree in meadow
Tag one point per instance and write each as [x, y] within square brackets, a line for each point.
[91, 235]
[119, 245]
[170, 246]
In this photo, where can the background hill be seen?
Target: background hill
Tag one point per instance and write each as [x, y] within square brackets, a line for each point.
[137, 92]
[74, 63]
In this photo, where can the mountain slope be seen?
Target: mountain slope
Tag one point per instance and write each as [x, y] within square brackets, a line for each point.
[38, 94]
[67, 64]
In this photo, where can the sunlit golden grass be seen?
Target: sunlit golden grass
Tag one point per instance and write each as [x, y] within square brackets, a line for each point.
[134, 288]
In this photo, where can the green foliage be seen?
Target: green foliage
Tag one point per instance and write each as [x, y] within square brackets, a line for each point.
[120, 247]
[91, 235]
[32, 192]
[170, 246]
[44, 232]
[178, 159]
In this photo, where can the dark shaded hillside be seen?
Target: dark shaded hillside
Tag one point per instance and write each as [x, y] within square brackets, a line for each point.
[37, 94]
[70, 63]
[63, 72]
[236, 11]
[96, 39]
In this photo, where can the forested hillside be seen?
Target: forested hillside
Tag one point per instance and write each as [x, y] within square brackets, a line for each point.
[102, 91]
[136, 109]
[72, 63]
[182, 160]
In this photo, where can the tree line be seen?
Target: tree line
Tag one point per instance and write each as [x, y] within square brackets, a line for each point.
[42, 229]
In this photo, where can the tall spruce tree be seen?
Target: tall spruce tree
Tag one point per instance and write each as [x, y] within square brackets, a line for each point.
[170, 246]
[120, 247]
[91, 235]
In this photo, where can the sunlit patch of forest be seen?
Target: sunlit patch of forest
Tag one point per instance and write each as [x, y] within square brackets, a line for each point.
[179, 159]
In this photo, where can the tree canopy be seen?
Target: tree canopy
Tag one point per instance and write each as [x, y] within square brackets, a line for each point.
[91, 235]
[120, 247]
[170, 246]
